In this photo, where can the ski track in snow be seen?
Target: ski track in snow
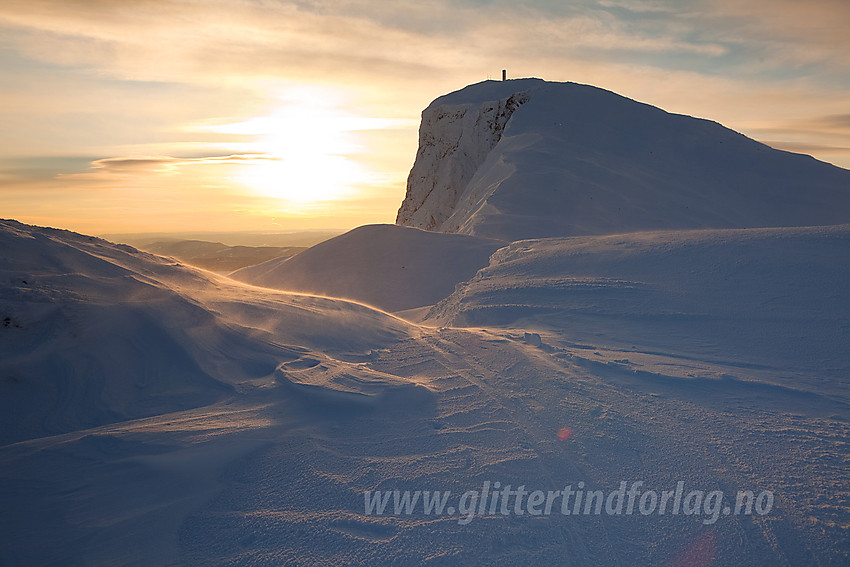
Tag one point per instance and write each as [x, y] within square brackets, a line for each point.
[275, 471]
[499, 406]
[265, 479]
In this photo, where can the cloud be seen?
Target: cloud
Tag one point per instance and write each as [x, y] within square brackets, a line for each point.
[804, 148]
[832, 122]
[179, 41]
[397, 56]
[783, 35]
[184, 41]
[135, 165]
[825, 136]
[832, 127]
[107, 78]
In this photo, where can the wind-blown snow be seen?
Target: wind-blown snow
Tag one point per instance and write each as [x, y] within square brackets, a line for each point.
[96, 333]
[774, 298]
[530, 159]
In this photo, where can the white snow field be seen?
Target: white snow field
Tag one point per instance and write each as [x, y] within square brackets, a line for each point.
[392, 267]
[157, 414]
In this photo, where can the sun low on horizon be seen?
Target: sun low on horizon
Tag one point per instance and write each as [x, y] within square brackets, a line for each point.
[169, 116]
[308, 159]
[308, 150]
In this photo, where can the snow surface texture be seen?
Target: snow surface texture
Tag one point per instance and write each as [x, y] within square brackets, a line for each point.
[155, 414]
[95, 333]
[759, 298]
[392, 267]
[529, 159]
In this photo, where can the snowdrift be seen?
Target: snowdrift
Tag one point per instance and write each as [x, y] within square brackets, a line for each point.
[94, 333]
[774, 297]
[391, 267]
[530, 159]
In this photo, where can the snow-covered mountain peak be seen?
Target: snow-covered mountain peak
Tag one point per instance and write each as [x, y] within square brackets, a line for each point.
[529, 158]
[457, 133]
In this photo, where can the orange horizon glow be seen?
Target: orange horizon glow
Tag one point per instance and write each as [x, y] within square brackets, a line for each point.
[173, 117]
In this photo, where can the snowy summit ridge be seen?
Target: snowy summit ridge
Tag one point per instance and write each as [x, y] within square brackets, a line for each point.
[528, 158]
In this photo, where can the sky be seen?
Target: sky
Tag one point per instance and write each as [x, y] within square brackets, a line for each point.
[264, 115]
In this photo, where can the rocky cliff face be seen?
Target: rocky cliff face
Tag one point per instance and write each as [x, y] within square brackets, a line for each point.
[454, 140]
[528, 158]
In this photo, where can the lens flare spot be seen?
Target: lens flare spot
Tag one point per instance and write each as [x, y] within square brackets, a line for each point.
[699, 553]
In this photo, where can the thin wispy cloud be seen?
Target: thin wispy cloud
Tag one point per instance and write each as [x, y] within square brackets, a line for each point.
[183, 41]
[119, 81]
[165, 164]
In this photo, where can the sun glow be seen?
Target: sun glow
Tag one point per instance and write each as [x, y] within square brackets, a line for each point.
[305, 151]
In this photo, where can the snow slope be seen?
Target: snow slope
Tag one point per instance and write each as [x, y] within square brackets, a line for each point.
[303, 404]
[95, 333]
[529, 159]
[394, 268]
[768, 298]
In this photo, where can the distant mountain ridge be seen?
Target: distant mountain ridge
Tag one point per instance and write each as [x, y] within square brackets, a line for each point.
[528, 158]
[218, 257]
